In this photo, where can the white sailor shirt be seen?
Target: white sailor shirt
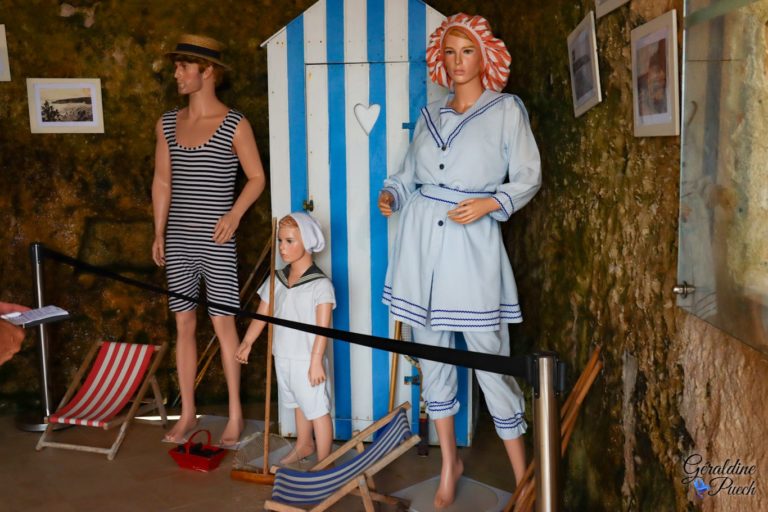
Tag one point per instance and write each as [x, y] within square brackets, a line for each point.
[298, 303]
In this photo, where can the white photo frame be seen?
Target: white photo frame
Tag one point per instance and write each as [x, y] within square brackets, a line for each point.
[582, 59]
[65, 105]
[603, 7]
[655, 82]
[5, 68]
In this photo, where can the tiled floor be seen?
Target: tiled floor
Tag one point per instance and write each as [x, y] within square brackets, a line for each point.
[144, 477]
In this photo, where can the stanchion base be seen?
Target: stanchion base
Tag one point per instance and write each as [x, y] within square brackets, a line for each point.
[32, 422]
[470, 495]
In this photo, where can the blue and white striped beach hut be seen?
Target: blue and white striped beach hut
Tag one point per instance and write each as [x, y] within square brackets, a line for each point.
[346, 81]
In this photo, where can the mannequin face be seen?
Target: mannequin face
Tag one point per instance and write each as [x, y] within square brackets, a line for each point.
[189, 78]
[290, 244]
[463, 59]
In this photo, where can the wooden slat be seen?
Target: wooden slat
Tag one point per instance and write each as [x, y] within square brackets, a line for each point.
[352, 443]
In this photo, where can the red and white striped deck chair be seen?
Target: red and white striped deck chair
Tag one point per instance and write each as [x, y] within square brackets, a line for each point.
[121, 373]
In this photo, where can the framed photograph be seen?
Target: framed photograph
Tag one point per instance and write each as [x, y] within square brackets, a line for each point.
[5, 69]
[655, 94]
[582, 57]
[65, 105]
[603, 7]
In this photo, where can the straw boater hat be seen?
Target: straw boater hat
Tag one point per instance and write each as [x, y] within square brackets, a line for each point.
[201, 47]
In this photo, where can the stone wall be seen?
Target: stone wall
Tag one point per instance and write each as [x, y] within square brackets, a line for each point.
[594, 253]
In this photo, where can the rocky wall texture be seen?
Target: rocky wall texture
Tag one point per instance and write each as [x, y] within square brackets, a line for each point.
[594, 253]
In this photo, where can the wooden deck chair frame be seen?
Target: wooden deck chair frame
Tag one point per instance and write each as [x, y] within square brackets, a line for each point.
[139, 406]
[361, 484]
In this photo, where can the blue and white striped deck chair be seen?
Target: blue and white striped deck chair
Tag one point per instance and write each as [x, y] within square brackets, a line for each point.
[324, 487]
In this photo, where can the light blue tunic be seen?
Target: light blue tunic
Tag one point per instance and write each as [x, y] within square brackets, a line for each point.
[459, 276]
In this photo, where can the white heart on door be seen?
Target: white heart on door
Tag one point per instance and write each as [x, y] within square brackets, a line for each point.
[367, 116]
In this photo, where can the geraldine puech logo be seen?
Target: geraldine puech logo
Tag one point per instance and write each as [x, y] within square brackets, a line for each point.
[732, 478]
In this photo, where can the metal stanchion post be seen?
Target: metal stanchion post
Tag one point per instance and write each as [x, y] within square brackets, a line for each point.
[546, 419]
[35, 422]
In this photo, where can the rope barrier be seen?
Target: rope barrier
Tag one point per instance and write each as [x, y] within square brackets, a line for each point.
[519, 366]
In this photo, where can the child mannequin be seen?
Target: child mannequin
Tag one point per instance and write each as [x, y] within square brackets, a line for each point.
[303, 294]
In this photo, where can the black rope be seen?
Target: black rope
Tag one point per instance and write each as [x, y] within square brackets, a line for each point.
[520, 366]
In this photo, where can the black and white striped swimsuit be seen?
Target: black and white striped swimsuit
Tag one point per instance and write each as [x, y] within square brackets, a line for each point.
[202, 190]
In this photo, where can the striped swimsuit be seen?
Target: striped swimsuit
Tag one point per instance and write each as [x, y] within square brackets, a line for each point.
[202, 190]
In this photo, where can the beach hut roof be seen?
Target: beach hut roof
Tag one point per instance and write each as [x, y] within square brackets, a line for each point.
[270, 38]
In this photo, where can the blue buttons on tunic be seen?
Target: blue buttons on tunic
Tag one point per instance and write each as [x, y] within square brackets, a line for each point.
[442, 166]
[439, 223]
[444, 148]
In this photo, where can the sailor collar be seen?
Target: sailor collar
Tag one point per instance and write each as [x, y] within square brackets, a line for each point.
[484, 103]
[313, 273]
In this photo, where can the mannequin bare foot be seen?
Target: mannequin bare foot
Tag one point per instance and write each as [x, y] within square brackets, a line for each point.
[180, 430]
[449, 476]
[232, 431]
[298, 453]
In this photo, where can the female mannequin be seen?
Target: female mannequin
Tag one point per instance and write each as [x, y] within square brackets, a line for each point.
[475, 159]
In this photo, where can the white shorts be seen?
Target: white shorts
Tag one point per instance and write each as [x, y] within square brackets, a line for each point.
[294, 389]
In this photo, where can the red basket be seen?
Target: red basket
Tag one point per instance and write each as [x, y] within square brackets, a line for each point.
[198, 456]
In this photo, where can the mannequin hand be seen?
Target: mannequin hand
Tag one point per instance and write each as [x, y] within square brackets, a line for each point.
[243, 351]
[470, 210]
[316, 370]
[385, 203]
[225, 228]
[158, 251]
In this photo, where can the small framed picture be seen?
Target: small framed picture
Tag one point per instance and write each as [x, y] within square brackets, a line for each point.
[603, 7]
[655, 87]
[582, 57]
[5, 69]
[65, 105]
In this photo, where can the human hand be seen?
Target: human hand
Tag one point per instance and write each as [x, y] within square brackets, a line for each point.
[11, 335]
[470, 210]
[316, 370]
[225, 228]
[243, 351]
[385, 203]
[158, 251]
[7, 307]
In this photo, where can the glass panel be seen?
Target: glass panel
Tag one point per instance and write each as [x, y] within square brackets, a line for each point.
[723, 239]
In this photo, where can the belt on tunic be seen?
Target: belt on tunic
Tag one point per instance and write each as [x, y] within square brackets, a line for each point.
[450, 195]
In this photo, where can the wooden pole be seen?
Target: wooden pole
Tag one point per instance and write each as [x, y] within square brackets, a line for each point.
[270, 329]
[393, 366]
